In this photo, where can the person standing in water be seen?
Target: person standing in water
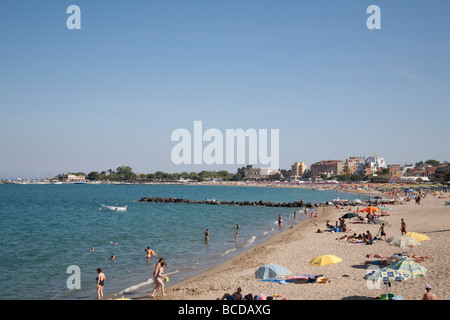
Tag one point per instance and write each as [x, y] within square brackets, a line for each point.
[100, 282]
[280, 222]
[149, 252]
[207, 235]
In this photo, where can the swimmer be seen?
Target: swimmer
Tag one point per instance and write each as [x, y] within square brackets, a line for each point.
[149, 252]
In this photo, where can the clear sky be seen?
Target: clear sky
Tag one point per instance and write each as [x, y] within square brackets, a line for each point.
[112, 93]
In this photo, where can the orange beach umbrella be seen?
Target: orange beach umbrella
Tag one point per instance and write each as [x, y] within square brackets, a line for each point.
[369, 209]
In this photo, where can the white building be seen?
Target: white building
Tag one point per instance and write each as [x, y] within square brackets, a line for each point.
[371, 165]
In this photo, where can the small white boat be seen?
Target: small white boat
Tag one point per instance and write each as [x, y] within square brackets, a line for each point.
[112, 208]
[379, 200]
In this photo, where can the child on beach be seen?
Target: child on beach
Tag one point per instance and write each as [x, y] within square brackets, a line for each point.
[403, 227]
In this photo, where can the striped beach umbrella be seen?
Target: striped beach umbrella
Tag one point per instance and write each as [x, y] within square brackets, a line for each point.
[386, 275]
[271, 271]
[418, 236]
[402, 241]
[409, 268]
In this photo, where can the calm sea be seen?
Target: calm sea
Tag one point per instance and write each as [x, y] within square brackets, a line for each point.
[46, 229]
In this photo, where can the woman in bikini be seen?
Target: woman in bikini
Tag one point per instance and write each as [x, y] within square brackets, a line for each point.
[159, 279]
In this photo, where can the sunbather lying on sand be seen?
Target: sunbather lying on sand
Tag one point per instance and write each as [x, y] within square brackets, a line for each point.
[377, 262]
[396, 256]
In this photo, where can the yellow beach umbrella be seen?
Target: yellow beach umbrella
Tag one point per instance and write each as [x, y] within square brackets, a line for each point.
[324, 260]
[418, 236]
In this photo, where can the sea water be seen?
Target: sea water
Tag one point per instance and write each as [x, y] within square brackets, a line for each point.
[46, 229]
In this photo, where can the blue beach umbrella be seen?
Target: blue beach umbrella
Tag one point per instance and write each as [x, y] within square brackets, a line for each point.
[271, 271]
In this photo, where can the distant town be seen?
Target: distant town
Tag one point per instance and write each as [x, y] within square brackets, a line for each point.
[354, 169]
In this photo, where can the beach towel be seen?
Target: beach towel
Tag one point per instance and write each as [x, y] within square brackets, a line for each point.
[302, 277]
[280, 281]
[356, 244]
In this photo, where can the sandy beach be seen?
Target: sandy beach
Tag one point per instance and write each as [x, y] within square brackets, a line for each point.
[294, 247]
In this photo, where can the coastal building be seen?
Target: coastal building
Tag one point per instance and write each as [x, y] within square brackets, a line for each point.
[439, 171]
[407, 166]
[395, 171]
[352, 164]
[71, 178]
[298, 170]
[327, 167]
[371, 165]
[262, 173]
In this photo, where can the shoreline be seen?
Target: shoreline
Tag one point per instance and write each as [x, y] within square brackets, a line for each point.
[295, 247]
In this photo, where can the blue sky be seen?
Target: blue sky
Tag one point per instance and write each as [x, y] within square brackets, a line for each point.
[112, 93]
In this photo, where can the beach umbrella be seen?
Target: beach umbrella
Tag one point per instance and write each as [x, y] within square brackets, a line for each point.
[409, 267]
[402, 241]
[418, 236]
[386, 275]
[324, 260]
[349, 215]
[369, 209]
[270, 272]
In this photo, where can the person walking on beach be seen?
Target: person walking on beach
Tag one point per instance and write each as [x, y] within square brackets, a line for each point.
[403, 227]
[100, 282]
[429, 295]
[159, 280]
[382, 232]
[158, 265]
